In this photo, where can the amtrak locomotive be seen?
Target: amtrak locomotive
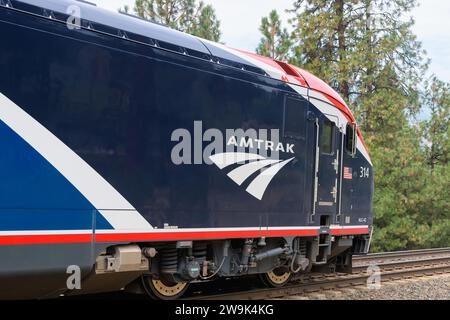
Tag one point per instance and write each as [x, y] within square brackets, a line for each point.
[141, 158]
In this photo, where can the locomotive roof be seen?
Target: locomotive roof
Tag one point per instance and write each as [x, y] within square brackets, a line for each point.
[141, 30]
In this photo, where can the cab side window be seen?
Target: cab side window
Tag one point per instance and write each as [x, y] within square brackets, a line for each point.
[350, 139]
[295, 118]
[327, 138]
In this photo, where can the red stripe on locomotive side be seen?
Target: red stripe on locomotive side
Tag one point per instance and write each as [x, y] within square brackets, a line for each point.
[167, 236]
[200, 235]
[148, 236]
[45, 239]
[352, 231]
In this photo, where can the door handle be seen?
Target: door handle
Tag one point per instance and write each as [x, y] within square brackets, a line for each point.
[335, 191]
[335, 162]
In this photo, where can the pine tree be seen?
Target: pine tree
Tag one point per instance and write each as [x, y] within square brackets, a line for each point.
[413, 180]
[188, 16]
[276, 42]
[434, 205]
[392, 65]
[354, 44]
[206, 25]
[436, 129]
[391, 68]
[325, 39]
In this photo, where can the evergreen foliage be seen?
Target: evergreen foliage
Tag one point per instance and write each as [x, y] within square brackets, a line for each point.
[188, 16]
[276, 41]
[367, 51]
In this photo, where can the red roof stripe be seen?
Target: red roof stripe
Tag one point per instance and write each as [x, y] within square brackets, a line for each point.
[318, 84]
[280, 66]
[305, 78]
[362, 140]
[346, 111]
[263, 59]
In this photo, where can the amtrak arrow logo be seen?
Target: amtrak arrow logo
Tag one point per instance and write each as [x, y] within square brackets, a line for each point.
[258, 186]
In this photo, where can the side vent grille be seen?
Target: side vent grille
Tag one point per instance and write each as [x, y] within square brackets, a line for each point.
[287, 68]
[49, 14]
[122, 34]
[291, 72]
[87, 24]
[6, 3]
[169, 46]
[238, 65]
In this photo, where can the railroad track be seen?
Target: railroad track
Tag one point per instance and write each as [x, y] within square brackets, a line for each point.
[402, 254]
[392, 265]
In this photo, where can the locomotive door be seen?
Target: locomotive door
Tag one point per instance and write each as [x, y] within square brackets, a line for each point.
[327, 160]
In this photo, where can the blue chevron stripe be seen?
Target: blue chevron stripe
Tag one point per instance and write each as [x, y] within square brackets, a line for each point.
[36, 196]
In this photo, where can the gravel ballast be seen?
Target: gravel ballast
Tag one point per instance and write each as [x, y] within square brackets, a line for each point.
[435, 287]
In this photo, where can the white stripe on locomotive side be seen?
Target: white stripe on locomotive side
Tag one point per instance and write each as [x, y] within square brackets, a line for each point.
[108, 201]
[44, 232]
[177, 230]
[337, 227]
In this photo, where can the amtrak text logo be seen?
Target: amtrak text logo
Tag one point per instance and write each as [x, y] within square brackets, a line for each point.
[196, 146]
[249, 151]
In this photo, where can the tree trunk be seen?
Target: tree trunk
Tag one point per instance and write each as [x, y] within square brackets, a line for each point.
[368, 84]
[343, 83]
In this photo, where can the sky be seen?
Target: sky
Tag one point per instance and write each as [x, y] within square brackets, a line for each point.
[240, 20]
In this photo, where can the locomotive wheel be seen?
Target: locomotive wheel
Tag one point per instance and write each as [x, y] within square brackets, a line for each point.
[163, 288]
[276, 278]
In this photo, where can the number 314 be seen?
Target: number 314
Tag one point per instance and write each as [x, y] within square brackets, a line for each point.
[364, 172]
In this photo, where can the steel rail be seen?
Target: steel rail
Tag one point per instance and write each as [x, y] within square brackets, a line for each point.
[403, 263]
[401, 254]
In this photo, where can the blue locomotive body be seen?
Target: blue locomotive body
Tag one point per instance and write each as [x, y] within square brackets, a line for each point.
[123, 140]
